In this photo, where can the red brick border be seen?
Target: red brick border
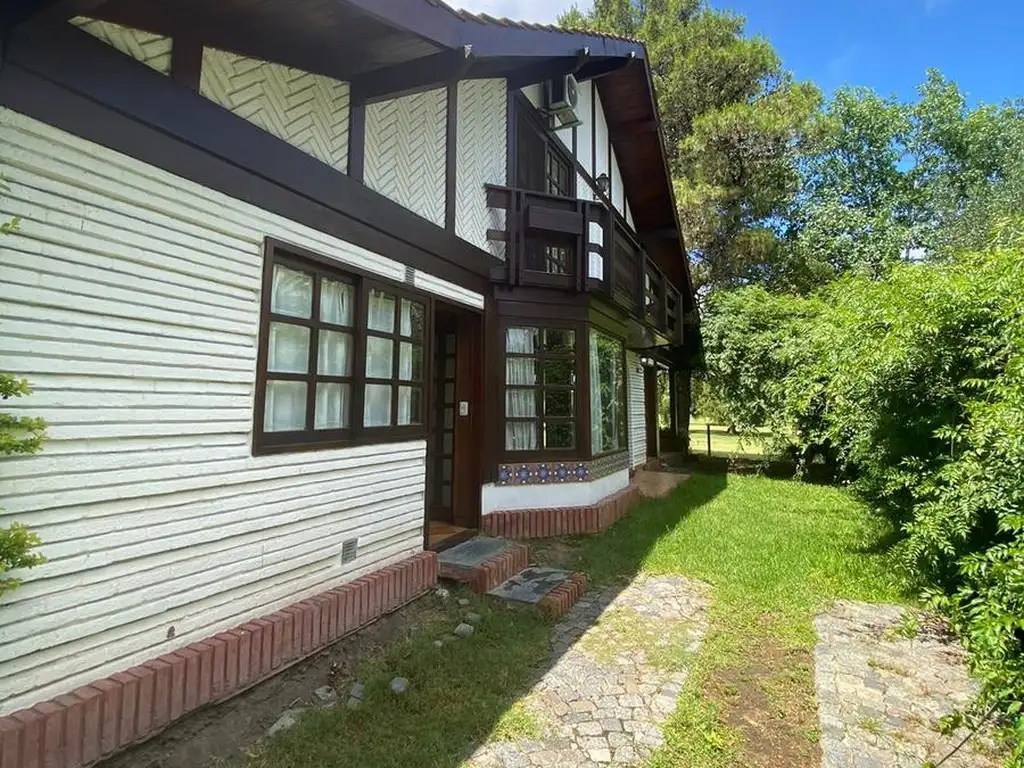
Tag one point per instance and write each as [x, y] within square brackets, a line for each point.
[108, 715]
[559, 600]
[542, 523]
[490, 573]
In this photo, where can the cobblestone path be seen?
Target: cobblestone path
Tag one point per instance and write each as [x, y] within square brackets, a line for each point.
[618, 662]
[880, 694]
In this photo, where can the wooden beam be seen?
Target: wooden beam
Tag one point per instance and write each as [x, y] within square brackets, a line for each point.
[186, 61]
[15, 12]
[413, 76]
[356, 139]
[451, 152]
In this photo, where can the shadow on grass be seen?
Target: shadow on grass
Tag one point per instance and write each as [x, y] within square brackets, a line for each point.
[465, 690]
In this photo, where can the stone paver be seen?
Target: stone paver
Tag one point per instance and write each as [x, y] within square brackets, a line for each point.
[602, 699]
[880, 694]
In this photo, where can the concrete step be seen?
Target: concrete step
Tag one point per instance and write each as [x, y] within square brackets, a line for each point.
[553, 591]
[483, 563]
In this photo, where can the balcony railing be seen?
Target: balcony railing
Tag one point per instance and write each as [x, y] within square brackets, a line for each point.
[561, 242]
[550, 241]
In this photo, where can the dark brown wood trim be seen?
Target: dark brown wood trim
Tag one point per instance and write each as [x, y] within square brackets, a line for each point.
[356, 139]
[186, 61]
[593, 136]
[66, 78]
[451, 156]
[611, 170]
[414, 76]
[512, 141]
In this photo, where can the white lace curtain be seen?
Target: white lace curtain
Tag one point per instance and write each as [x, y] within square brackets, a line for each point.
[521, 403]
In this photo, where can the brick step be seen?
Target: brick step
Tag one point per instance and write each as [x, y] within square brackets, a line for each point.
[483, 563]
[552, 591]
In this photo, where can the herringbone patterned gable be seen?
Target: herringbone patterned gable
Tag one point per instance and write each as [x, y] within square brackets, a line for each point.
[308, 111]
[481, 159]
[152, 50]
[405, 152]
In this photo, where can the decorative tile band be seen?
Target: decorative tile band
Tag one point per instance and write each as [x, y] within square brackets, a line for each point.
[561, 521]
[106, 716]
[557, 472]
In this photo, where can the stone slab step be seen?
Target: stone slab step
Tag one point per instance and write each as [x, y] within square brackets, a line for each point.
[483, 563]
[553, 591]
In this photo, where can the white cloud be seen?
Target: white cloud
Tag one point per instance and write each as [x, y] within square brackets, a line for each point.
[540, 11]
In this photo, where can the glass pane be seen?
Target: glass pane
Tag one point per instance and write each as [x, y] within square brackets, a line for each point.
[335, 355]
[521, 403]
[607, 394]
[377, 405]
[410, 405]
[446, 470]
[285, 406]
[560, 373]
[521, 436]
[288, 350]
[410, 362]
[449, 443]
[379, 357]
[413, 319]
[558, 403]
[521, 371]
[449, 418]
[446, 496]
[381, 312]
[449, 393]
[449, 367]
[336, 302]
[522, 341]
[559, 435]
[332, 401]
[559, 341]
[449, 344]
[291, 293]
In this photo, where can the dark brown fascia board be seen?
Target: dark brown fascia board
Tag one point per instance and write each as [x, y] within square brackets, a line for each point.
[53, 73]
[15, 12]
[421, 74]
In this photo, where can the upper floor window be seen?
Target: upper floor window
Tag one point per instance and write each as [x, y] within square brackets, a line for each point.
[542, 165]
[341, 357]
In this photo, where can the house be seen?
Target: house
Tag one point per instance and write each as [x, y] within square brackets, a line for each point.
[306, 288]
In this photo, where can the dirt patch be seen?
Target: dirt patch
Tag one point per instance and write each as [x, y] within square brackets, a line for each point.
[562, 552]
[770, 700]
[219, 734]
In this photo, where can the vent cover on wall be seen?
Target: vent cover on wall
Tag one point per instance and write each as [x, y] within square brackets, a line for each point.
[349, 551]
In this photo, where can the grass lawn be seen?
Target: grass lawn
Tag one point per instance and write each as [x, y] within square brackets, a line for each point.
[774, 553]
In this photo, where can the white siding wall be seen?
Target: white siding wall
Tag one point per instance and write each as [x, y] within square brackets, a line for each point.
[405, 151]
[306, 110]
[130, 300]
[637, 421]
[152, 50]
[482, 156]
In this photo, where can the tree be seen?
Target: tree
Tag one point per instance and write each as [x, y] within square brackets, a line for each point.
[732, 118]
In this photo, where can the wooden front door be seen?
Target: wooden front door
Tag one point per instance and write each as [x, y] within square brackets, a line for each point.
[453, 452]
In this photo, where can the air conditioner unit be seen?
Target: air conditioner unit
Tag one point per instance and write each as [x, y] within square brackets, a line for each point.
[563, 96]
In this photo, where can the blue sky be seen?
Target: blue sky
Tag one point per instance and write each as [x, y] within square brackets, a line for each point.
[884, 44]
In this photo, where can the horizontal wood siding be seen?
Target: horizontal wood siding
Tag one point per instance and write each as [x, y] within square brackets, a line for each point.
[637, 419]
[130, 299]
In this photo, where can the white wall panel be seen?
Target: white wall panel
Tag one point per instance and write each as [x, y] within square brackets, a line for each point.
[481, 158]
[405, 151]
[130, 300]
[601, 138]
[152, 50]
[500, 498]
[306, 110]
[637, 418]
[584, 135]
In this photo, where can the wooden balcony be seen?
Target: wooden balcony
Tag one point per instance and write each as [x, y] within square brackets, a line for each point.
[577, 245]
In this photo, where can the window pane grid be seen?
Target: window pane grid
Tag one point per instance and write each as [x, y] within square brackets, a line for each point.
[539, 415]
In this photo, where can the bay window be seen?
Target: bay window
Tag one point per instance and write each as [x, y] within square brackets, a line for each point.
[540, 389]
[607, 394]
[341, 356]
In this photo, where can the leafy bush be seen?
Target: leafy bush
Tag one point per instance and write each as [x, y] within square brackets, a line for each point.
[913, 386]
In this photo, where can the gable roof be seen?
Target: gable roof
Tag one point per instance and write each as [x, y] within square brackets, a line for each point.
[396, 46]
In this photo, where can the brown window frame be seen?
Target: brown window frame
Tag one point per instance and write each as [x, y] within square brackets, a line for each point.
[263, 442]
[581, 414]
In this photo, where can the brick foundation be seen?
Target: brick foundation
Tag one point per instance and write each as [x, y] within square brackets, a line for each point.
[108, 715]
[490, 573]
[542, 523]
[561, 599]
